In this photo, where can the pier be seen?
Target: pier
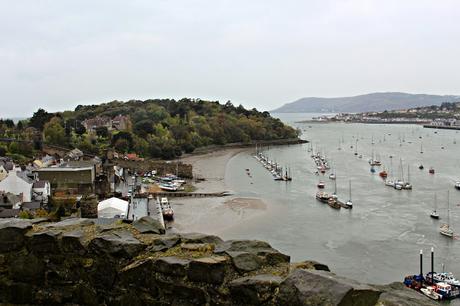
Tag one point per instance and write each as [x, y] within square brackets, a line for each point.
[191, 194]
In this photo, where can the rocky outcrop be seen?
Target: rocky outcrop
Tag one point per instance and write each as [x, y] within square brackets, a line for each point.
[78, 262]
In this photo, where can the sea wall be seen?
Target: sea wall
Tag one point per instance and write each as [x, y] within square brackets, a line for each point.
[78, 262]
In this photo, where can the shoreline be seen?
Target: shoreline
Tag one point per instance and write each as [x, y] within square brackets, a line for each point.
[215, 215]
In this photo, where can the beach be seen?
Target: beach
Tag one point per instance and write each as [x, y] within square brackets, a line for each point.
[214, 215]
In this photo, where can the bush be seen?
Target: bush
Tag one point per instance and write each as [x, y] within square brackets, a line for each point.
[25, 214]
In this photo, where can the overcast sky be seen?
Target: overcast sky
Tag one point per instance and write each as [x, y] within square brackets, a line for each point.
[260, 53]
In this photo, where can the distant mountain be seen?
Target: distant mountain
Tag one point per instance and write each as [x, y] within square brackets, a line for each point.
[379, 101]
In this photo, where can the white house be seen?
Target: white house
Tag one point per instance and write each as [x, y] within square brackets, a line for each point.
[18, 184]
[41, 191]
[112, 208]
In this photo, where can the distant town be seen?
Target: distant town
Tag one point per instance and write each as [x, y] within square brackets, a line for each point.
[446, 116]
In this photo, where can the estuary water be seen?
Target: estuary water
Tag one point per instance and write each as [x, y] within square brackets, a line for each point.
[378, 241]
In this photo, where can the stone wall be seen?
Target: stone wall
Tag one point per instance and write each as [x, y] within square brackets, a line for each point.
[78, 262]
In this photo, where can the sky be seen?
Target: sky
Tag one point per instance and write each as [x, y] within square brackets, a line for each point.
[259, 53]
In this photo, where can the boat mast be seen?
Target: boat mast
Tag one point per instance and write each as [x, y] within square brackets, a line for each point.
[335, 185]
[435, 202]
[448, 212]
[349, 190]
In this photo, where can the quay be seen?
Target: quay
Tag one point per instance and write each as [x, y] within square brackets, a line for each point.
[191, 194]
[441, 127]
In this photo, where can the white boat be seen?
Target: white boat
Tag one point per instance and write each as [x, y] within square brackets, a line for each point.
[390, 183]
[445, 228]
[332, 176]
[446, 277]
[431, 293]
[168, 187]
[434, 214]
[349, 203]
[457, 185]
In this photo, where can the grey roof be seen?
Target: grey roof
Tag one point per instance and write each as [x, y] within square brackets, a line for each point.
[31, 205]
[40, 184]
[9, 165]
[9, 213]
[23, 175]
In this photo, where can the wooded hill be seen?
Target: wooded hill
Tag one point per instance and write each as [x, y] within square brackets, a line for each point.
[162, 128]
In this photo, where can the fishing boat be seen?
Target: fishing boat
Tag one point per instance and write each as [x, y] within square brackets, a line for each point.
[349, 203]
[421, 167]
[431, 171]
[321, 185]
[430, 292]
[383, 174]
[457, 185]
[445, 228]
[322, 196]
[372, 169]
[434, 214]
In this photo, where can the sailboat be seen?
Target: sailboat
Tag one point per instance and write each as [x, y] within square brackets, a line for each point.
[356, 147]
[407, 185]
[349, 203]
[333, 201]
[445, 228]
[400, 182]
[434, 214]
[390, 182]
[421, 148]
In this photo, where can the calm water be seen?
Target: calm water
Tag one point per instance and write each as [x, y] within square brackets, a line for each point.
[378, 241]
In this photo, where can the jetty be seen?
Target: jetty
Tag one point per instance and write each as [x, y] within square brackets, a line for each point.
[191, 194]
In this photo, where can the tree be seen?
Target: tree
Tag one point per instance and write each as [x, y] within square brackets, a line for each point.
[102, 131]
[20, 126]
[54, 132]
[39, 118]
[2, 151]
[125, 136]
[121, 145]
[144, 127]
[80, 128]
[9, 123]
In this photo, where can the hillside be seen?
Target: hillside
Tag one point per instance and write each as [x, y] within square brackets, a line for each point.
[364, 103]
[160, 128]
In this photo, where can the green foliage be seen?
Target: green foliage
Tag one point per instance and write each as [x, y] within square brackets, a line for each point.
[21, 148]
[39, 119]
[165, 128]
[2, 151]
[102, 131]
[54, 132]
[25, 214]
